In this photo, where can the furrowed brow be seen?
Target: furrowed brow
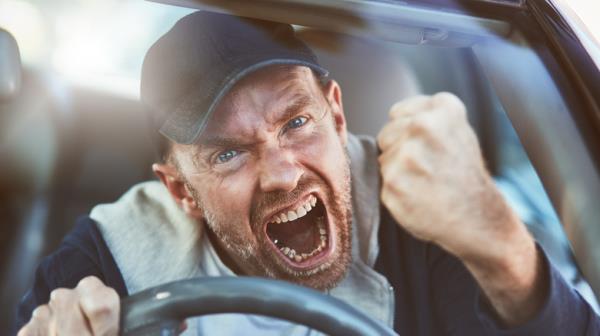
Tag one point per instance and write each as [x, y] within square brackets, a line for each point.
[298, 104]
[218, 141]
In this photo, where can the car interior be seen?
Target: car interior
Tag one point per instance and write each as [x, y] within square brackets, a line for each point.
[65, 147]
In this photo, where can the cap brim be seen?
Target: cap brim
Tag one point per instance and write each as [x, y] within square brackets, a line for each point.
[187, 122]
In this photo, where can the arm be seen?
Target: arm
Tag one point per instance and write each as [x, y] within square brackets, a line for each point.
[464, 309]
[82, 254]
[435, 184]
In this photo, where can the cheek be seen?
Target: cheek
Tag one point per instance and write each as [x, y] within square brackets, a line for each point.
[228, 199]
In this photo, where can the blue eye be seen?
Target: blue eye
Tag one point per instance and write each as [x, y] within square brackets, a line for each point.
[297, 122]
[227, 155]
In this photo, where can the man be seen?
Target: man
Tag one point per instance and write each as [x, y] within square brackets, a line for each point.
[260, 177]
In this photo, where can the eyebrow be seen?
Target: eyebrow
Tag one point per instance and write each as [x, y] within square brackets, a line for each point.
[218, 141]
[299, 102]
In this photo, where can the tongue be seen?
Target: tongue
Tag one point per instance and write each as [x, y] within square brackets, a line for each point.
[301, 234]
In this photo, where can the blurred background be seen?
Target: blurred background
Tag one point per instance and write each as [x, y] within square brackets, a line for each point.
[98, 44]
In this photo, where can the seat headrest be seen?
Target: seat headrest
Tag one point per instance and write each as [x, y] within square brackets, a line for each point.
[10, 66]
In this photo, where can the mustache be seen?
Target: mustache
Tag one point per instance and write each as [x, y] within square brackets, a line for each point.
[267, 202]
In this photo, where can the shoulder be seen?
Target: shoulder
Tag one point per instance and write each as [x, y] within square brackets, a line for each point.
[362, 147]
[82, 253]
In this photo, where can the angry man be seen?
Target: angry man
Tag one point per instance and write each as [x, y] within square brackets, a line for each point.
[259, 177]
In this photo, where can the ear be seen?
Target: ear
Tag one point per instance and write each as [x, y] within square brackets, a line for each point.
[333, 94]
[171, 178]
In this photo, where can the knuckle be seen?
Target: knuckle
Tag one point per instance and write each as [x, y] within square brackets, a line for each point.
[409, 161]
[451, 101]
[391, 193]
[111, 295]
[41, 312]
[61, 295]
[418, 125]
[395, 108]
[407, 106]
[95, 308]
[90, 282]
[104, 303]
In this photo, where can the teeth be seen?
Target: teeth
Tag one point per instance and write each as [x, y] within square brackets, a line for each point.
[291, 215]
[300, 212]
[299, 257]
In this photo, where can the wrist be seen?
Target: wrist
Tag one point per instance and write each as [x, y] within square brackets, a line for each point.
[513, 284]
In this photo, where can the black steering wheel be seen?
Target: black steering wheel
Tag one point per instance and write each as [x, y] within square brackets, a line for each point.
[160, 310]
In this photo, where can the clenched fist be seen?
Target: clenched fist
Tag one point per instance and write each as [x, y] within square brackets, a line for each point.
[435, 183]
[89, 309]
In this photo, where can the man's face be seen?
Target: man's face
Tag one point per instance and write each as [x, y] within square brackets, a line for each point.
[271, 179]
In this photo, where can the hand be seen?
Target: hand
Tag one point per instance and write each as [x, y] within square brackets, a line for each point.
[435, 183]
[436, 186]
[89, 309]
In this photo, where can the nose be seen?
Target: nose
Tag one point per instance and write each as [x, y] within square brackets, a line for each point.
[279, 171]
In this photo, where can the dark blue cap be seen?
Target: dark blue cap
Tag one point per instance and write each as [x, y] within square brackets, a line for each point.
[192, 67]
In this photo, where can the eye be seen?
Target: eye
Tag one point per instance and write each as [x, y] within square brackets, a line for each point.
[297, 122]
[227, 155]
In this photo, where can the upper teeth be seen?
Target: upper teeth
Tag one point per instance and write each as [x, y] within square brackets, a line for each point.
[300, 212]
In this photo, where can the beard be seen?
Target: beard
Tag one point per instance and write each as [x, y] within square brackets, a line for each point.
[254, 256]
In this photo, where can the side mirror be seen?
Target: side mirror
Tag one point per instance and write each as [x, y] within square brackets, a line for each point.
[10, 66]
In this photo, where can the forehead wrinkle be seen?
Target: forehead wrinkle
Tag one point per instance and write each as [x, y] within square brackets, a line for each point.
[272, 103]
[292, 96]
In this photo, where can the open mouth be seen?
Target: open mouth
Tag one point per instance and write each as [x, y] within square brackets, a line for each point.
[301, 234]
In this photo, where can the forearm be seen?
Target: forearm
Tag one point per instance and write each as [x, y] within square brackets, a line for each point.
[514, 281]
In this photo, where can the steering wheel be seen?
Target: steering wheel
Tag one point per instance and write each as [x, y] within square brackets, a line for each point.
[160, 310]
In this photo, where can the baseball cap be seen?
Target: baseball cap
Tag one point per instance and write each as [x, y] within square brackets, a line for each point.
[192, 67]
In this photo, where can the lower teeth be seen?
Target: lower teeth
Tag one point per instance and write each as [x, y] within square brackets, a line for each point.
[292, 254]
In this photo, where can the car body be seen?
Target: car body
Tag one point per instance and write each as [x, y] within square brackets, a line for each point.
[531, 86]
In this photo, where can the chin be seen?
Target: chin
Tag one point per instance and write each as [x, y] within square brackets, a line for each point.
[308, 241]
